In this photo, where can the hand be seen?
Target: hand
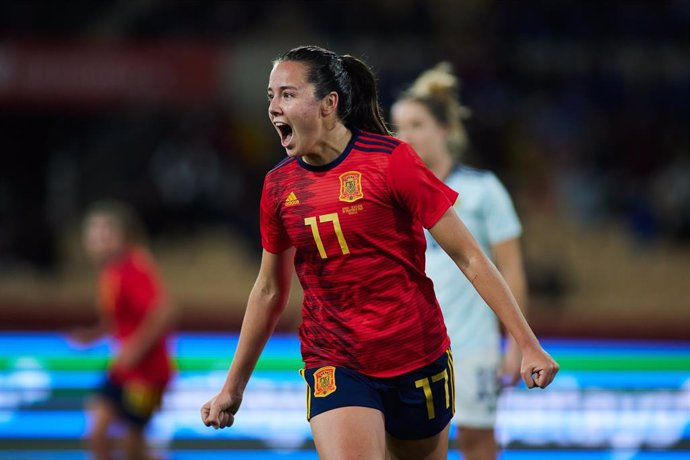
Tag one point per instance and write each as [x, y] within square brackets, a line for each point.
[219, 411]
[126, 358]
[83, 335]
[538, 368]
[509, 372]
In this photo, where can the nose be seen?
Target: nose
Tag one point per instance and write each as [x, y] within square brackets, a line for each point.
[274, 107]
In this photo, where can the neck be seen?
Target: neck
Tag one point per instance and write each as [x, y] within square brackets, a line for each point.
[330, 147]
[116, 256]
[442, 166]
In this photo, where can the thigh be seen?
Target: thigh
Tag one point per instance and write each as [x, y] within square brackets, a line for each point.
[349, 433]
[419, 405]
[477, 389]
[134, 401]
[431, 448]
[102, 414]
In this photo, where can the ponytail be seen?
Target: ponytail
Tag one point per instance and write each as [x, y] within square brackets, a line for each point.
[351, 78]
[365, 111]
[437, 90]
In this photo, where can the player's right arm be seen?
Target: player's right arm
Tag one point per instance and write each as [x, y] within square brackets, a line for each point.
[108, 291]
[267, 301]
[508, 257]
[89, 334]
[538, 368]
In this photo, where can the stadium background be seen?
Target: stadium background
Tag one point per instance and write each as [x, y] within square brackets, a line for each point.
[582, 109]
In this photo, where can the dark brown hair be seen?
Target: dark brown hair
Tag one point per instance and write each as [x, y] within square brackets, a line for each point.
[124, 216]
[348, 76]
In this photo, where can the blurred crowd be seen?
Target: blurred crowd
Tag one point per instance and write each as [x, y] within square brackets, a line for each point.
[582, 108]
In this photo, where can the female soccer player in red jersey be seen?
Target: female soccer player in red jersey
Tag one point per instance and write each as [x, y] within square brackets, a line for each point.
[135, 309]
[428, 116]
[347, 208]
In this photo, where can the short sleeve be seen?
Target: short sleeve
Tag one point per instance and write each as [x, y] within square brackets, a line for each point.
[502, 221]
[274, 238]
[416, 188]
[143, 287]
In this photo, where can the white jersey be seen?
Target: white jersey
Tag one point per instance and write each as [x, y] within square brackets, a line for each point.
[487, 210]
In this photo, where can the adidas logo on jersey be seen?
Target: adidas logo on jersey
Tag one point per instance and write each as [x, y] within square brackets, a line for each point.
[291, 200]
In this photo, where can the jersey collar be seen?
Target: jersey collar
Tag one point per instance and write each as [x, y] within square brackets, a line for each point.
[334, 163]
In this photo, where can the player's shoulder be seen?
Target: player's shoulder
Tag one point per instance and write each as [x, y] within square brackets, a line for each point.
[366, 141]
[478, 176]
[471, 171]
[139, 262]
[470, 180]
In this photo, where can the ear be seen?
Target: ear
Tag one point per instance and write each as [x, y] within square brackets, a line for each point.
[329, 104]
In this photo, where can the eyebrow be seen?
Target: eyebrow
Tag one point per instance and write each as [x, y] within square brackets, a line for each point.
[281, 88]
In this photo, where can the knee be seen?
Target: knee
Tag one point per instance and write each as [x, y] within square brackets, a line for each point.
[98, 435]
[471, 439]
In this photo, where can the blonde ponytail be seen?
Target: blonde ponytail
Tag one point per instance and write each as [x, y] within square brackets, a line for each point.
[438, 88]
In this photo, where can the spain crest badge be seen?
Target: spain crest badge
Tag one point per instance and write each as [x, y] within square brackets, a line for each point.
[324, 381]
[351, 186]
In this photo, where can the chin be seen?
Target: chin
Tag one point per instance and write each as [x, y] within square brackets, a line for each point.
[293, 152]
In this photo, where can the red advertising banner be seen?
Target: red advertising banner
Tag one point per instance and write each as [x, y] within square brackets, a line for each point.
[95, 74]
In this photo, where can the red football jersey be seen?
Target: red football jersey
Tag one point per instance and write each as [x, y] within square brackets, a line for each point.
[356, 224]
[129, 289]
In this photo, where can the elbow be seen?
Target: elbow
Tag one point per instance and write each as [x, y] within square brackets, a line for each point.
[273, 298]
[473, 264]
[278, 302]
[165, 316]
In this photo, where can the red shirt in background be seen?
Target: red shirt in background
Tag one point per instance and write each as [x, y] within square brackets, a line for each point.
[129, 289]
[357, 225]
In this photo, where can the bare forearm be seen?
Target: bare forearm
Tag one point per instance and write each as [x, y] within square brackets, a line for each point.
[537, 368]
[518, 287]
[508, 257]
[459, 244]
[261, 317]
[495, 291]
[88, 334]
[155, 325]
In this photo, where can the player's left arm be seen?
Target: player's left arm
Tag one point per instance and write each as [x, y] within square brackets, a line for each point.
[538, 368]
[157, 321]
[508, 257]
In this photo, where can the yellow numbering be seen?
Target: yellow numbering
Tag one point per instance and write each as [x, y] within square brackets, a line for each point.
[425, 385]
[333, 217]
[141, 399]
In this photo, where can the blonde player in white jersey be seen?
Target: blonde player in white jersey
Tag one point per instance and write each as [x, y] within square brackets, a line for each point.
[429, 116]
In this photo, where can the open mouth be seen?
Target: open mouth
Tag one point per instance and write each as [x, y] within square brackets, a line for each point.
[285, 132]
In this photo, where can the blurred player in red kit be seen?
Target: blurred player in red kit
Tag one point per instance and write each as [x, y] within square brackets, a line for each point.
[347, 208]
[133, 308]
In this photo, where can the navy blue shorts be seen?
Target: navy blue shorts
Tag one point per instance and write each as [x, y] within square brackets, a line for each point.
[415, 405]
[135, 401]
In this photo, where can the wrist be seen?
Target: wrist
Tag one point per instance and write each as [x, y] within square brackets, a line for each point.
[234, 388]
[528, 346]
